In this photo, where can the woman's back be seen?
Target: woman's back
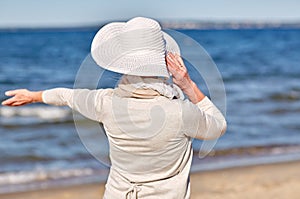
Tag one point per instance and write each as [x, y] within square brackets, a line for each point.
[148, 147]
[146, 136]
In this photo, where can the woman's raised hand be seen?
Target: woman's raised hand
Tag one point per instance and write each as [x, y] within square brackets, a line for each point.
[178, 70]
[21, 97]
[182, 79]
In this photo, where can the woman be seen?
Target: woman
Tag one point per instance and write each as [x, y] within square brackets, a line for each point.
[148, 123]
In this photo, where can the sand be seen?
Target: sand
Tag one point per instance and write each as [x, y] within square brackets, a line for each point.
[263, 181]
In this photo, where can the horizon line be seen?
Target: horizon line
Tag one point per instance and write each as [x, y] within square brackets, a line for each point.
[175, 23]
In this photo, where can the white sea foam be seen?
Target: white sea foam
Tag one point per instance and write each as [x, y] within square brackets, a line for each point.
[22, 177]
[39, 112]
[13, 182]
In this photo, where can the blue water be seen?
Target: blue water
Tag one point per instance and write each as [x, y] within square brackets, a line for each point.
[260, 69]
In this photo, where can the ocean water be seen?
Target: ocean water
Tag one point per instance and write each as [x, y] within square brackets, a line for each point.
[39, 145]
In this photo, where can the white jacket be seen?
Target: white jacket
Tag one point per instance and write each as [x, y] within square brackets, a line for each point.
[149, 138]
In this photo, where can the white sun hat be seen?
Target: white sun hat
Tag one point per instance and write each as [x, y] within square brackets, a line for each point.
[136, 47]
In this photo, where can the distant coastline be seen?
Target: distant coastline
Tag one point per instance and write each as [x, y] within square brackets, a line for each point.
[180, 24]
[215, 25]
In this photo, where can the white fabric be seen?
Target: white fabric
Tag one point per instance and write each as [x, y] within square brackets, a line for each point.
[158, 84]
[146, 163]
[137, 47]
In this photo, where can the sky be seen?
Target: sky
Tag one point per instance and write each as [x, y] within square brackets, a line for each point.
[66, 13]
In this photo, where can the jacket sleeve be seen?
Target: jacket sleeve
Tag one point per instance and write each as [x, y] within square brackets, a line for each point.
[203, 120]
[87, 102]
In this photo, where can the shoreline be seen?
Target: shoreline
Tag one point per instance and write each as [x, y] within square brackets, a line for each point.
[37, 180]
[276, 180]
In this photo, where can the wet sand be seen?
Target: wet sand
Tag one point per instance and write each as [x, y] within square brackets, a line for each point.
[263, 181]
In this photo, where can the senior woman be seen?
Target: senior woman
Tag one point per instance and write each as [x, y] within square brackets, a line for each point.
[148, 122]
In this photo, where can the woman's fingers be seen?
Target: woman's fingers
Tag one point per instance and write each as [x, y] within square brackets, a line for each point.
[173, 69]
[176, 61]
[10, 93]
[18, 97]
[172, 60]
[173, 65]
[21, 97]
[179, 59]
[18, 103]
[9, 101]
[14, 92]
[177, 68]
[14, 101]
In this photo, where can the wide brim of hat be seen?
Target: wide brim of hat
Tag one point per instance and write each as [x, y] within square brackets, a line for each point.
[142, 65]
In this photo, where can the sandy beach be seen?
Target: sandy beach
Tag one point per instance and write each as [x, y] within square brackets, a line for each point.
[274, 181]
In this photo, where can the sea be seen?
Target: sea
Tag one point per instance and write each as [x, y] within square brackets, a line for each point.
[40, 146]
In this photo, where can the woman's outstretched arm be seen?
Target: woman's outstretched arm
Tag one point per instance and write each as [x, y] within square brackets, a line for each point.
[87, 102]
